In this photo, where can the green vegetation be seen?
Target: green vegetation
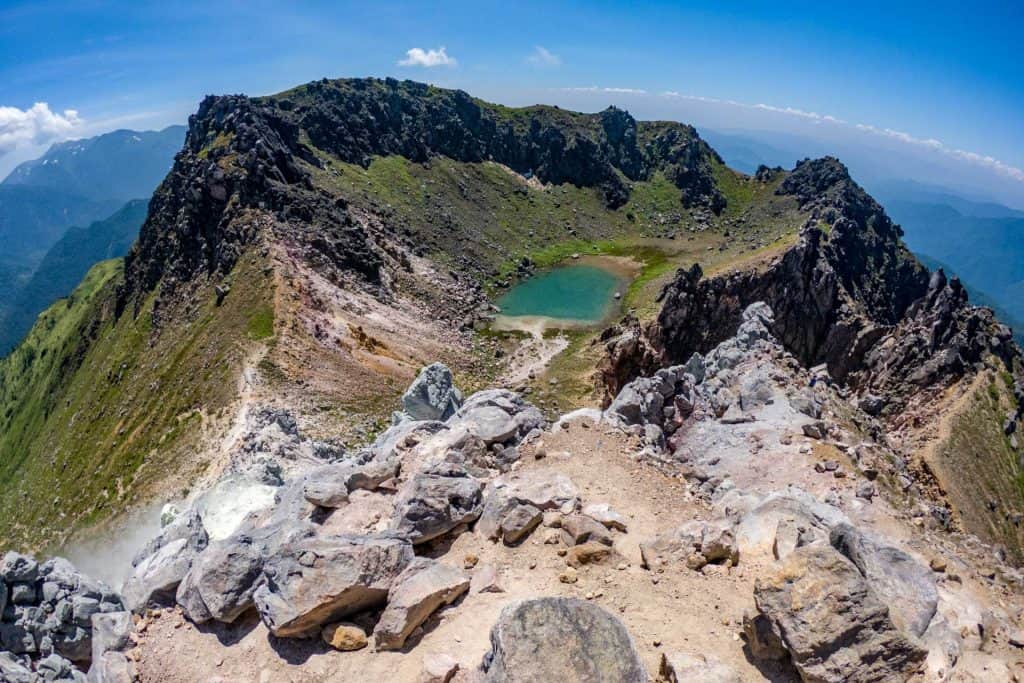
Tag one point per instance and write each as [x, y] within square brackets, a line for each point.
[977, 444]
[261, 323]
[97, 412]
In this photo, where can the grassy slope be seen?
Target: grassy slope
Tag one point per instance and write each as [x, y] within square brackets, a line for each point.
[90, 427]
[976, 445]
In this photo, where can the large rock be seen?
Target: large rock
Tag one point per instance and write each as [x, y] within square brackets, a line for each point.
[682, 667]
[423, 587]
[13, 670]
[543, 490]
[221, 583]
[432, 395]
[313, 581]
[561, 639]
[490, 424]
[904, 584]
[755, 533]
[17, 568]
[834, 627]
[155, 579]
[110, 633]
[434, 502]
[329, 485]
[112, 667]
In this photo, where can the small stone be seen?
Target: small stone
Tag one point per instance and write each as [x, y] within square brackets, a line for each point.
[470, 560]
[485, 580]
[569, 576]
[696, 561]
[938, 564]
[344, 636]
[438, 668]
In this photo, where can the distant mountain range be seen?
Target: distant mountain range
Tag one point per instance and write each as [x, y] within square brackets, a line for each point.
[77, 183]
[121, 165]
[66, 264]
[979, 240]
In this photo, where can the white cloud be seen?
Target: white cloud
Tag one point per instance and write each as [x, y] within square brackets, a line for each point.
[814, 117]
[37, 125]
[939, 146]
[417, 56]
[541, 56]
[619, 91]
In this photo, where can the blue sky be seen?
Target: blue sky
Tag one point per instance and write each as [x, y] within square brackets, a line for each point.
[935, 78]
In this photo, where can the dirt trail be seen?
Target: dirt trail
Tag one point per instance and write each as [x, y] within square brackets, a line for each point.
[534, 353]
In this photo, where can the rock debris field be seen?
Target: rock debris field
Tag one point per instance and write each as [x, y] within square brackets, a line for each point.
[728, 519]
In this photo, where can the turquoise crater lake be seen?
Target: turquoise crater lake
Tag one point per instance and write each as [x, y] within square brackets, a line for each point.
[579, 294]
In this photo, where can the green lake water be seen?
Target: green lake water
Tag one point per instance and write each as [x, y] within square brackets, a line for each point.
[582, 293]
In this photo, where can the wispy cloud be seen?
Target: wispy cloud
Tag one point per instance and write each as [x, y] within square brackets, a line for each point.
[595, 88]
[937, 145]
[417, 56]
[927, 143]
[36, 125]
[541, 56]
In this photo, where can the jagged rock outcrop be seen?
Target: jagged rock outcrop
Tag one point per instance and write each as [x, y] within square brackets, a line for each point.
[246, 169]
[848, 295]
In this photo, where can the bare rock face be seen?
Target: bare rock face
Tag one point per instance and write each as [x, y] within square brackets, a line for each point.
[832, 624]
[423, 587]
[312, 581]
[561, 639]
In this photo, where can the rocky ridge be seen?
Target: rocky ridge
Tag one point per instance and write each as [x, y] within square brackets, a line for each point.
[247, 165]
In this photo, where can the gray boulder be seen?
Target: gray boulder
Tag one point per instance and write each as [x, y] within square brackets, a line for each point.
[834, 627]
[560, 639]
[432, 395]
[436, 501]
[806, 403]
[490, 424]
[187, 525]
[422, 587]
[579, 529]
[155, 579]
[905, 585]
[111, 633]
[639, 402]
[18, 568]
[695, 367]
[519, 523]
[112, 667]
[313, 581]
[221, 583]
[682, 667]
[13, 670]
[544, 491]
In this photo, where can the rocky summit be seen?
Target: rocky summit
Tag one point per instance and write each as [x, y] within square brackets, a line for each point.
[290, 437]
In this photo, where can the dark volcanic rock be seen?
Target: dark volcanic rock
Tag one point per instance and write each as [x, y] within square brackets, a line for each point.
[849, 294]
